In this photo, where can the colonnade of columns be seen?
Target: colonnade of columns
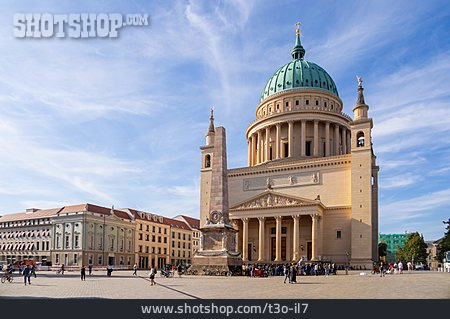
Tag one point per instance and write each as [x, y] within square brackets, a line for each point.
[263, 146]
[296, 255]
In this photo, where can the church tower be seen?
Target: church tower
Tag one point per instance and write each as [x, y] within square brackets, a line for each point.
[206, 168]
[364, 224]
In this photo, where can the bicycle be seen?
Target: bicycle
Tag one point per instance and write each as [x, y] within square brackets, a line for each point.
[7, 277]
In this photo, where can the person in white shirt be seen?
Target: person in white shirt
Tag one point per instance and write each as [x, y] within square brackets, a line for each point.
[151, 275]
[400, 267]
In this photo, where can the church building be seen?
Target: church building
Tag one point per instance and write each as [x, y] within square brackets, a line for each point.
[310, 189]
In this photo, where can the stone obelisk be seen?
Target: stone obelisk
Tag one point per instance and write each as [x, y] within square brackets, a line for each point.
[217, 251]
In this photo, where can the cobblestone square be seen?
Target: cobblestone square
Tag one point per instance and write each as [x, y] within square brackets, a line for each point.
[123, 285]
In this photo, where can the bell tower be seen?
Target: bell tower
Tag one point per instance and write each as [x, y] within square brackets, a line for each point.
[364, 223]
[206, 168]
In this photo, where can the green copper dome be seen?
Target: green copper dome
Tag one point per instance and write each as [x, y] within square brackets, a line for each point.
[299, 74]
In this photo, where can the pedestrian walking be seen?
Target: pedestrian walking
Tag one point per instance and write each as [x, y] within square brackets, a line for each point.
[286, 273]
[33, 271]
[90, 269]
[62, 269]
[83, 273]
[151, 275]
[409, 265]
[26, 273]
[135, 270]
[382, 270]
[179, 270]
[400, 267]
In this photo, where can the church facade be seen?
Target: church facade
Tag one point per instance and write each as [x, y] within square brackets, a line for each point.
[310, 189]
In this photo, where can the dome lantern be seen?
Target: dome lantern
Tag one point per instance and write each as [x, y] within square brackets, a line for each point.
[298, 52]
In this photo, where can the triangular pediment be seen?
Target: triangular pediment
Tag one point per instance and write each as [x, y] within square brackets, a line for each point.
[270, 199]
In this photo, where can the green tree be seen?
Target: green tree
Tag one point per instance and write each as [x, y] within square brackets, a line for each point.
[444, 245]
[415, 248]
[382, 247]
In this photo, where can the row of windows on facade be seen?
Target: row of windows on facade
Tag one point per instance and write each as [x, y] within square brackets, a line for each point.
[31, 246]
[147, 238]
[153, 229]
[91, 242]
[297, 102]
[28, 233]
[90, 260]
[28, 222]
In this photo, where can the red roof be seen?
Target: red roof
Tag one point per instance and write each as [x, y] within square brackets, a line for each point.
[94, 209]
[193, 222]
[175, 223]
[31, 215]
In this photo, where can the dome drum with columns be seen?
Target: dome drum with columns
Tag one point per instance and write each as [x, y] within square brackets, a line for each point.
[310, 189]
[299, 116]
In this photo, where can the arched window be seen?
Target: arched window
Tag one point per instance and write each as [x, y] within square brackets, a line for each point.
[360, 139]
[207, 161]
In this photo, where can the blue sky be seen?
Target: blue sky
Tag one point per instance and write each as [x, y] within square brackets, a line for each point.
[120, 121]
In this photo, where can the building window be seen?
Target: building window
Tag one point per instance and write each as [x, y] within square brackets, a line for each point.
[179, 236]
[189, 245]
[207, 161]
[360, 139]
[37, 245]
[189, 237]
[317, 102]
[179, 245]
[308, 148]
[75, 259]
[47, 244]
[100, 259]
[147, 237]
[129, 261]
[324, 149]
[140, 226]
[121, 260]
[286, 149]
[159, 250]
[112, 243]
[67, 241]
[153, 228]
[165, 251]
[296, 102]
[140, 248]
[140, 236]
[153, 250]
[184, 245]
[165, 231]
[307, 101]
[159, 239]
[173, 235]
[146, 249]
[153, 238]
[173, 244]
[56, 258]
[159, 230]
[148, 228]
[165, 240]
[184, 236]
[76, 241]
[338, 234]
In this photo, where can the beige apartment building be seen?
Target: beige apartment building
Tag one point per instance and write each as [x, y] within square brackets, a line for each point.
[310, 189]
[194, 226]
[26, 236]
[152, 240]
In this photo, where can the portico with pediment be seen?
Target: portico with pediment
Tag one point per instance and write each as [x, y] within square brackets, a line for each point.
[274, 227]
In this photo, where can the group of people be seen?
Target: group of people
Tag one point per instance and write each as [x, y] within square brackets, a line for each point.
[395, 268]
[299, 269]
[27, 271]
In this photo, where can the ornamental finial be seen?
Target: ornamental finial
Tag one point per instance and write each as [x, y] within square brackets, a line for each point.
[297, 29]
[211, 121]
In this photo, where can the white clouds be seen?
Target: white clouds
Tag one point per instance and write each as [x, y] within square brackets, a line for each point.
[398, 181]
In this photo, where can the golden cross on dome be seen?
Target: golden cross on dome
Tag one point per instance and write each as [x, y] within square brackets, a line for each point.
[297, 30]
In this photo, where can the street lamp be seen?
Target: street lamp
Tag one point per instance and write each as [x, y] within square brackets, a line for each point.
[347, 254]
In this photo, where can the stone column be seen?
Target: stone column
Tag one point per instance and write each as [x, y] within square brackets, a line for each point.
[316, 138]
[277, 141]
[253, 149]
[258, 149]
[315, 235]
[249, 152]
[290, 138]
[278, 238]
[303, 138]
[344, 140]
[236, 226]
[349, 142]
[296, 241]
[336, 139]
[261, 239]
[267, 144]
[327, 139]
[245, 239]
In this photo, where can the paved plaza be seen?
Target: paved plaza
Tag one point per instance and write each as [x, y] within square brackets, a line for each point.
[123, 285]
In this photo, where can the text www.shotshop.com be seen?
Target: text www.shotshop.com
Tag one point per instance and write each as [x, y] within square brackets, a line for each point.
[269, 308]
